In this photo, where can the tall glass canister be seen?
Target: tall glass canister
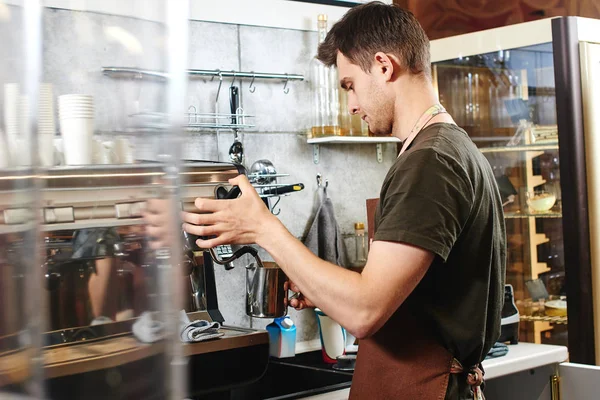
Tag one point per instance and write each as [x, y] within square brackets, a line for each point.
[324, 82]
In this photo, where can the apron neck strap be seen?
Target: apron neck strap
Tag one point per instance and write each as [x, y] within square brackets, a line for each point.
[420, 124]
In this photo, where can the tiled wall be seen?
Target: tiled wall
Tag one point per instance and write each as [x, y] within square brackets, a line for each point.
[76, 46]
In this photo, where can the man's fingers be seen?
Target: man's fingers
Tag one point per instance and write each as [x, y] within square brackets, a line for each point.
[243, 182]
[209, 205]
[204, 230]
[154, 232]
[199, 219]
[155, 219]
[210, 243]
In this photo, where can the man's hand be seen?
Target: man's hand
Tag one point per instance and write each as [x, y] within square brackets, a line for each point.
[157, 220]
[300, 302]
[238, 221]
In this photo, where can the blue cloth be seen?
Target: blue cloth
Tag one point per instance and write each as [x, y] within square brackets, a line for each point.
[497, 350]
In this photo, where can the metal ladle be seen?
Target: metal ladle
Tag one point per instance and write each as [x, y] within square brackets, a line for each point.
[236, 151]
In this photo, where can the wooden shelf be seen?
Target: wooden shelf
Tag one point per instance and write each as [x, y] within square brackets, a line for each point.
[546, 214]
[552, 320]
[353, 140]
[520, 148]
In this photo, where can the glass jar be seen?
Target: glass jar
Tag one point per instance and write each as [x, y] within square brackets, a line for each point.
[324, 80]
[361, 245]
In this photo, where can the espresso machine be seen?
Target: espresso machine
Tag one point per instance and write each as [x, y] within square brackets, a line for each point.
[96, 262]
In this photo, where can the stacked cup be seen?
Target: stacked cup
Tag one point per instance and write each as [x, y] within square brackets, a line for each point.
[46, 126]
[21, 150]
[12, 123]
[76, 113]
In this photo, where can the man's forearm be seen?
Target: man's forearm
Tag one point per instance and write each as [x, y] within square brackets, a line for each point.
[337, 291]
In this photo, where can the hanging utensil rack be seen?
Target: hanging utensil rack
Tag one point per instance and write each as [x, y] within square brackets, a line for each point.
[198, 122]
[204, 121]
[125, 72]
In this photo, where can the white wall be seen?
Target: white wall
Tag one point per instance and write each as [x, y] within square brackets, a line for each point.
[269, 13]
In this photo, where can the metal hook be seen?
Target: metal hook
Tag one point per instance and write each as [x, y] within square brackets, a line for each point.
[286, 89]
[233, 81]
[320, 181]
[275, 205]
[252, 89]
[220, 83]
[194, 113]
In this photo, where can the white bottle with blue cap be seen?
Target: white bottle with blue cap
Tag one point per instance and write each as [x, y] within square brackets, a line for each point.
[282, 337]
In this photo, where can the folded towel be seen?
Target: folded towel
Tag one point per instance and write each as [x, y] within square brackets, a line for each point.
[198, 330]
[497, 350]
[324, 238]
[146, 330]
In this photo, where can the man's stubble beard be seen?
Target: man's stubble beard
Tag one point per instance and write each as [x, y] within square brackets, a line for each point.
[384, 111]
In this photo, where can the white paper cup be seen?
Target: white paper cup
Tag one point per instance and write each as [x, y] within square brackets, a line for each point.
[103, 153]
[123, 150]
[21, 153]
[4, 156]
[333, 337]
[77, 140]
[46, 149]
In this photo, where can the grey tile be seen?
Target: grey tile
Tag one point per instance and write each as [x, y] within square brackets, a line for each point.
[12, 65]
[212, 46]
[278, 51]
[77, 44]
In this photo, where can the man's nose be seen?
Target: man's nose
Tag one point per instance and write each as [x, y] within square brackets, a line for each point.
[353, 107]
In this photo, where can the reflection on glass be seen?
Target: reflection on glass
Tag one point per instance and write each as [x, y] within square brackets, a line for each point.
[506, 102]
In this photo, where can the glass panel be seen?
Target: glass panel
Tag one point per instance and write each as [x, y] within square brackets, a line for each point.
[506, 102]
[106, 150]
[20, 309]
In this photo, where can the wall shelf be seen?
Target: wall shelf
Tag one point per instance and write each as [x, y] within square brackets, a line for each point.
[552, 320]
[525, 147]
[353, 139]
[547, 214]
[378, 141]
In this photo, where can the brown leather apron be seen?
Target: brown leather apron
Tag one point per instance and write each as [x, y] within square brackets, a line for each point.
[401, 361]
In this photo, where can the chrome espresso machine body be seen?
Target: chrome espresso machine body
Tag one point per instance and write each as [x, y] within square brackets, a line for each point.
[97, 272]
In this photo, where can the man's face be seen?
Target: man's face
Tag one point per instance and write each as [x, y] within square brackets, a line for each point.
[368, 95]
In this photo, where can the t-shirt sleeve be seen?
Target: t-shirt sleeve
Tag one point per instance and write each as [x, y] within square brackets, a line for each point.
[427, 203]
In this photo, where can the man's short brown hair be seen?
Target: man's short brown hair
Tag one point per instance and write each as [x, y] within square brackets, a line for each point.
[373, 27]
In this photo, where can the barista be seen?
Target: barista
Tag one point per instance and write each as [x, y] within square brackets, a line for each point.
[427, 304]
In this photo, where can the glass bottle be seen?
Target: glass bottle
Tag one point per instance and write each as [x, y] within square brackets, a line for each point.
[361, 245]
[325, 92]
[350, 124]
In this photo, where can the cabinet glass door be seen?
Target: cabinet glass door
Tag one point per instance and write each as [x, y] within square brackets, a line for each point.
[506, 102]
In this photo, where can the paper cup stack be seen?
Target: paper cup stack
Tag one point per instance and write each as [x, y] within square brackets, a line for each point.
[76, 113]
[46, 126]
[22, 149]
[12, 120]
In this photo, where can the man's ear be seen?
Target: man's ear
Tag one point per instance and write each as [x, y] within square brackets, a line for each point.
[385, 65]
[388, 65]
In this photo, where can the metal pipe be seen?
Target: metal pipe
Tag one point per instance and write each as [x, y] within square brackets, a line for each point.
[109, 71]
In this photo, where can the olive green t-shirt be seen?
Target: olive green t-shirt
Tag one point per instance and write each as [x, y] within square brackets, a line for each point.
[441, 195]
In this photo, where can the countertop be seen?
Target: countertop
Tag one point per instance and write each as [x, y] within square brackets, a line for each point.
[520, 357]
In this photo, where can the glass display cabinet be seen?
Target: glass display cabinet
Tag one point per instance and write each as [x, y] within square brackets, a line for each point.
[517, 92]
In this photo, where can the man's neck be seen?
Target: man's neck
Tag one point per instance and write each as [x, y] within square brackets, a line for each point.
[414, 99]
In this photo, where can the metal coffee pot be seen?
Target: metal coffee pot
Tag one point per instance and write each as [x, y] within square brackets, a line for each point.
[265, 292]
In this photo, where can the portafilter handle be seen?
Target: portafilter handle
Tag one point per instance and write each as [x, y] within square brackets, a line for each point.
[240, 252]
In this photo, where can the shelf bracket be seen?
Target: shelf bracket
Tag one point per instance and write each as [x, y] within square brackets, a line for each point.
[316, 153]
[379, 153]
